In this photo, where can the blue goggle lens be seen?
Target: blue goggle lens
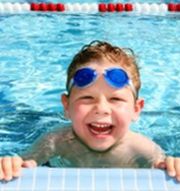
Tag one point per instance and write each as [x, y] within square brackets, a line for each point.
[84, 77]
[116, 77]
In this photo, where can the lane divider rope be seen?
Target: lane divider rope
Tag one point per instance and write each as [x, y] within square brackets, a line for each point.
[144, 8]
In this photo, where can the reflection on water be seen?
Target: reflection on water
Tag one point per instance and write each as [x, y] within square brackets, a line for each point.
[163, 127]
[35, 50]
[19, 129]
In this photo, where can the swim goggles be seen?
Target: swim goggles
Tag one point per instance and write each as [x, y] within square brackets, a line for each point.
[115, 77]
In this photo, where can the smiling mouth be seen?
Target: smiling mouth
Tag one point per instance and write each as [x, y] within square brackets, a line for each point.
[100, 128]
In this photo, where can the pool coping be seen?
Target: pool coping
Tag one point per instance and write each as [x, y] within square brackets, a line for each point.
[97, 179]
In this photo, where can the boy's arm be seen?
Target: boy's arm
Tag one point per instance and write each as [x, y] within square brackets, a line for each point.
[41, 150]
[146, 149]
[11, 167]
[49, 145]
[158, 158]
[172, 166]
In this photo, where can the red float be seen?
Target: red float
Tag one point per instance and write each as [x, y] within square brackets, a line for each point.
[35, 7]
[128, 7]
[102, 7]
[178, 7]
[52, 7]
[43, 7]
[171, 7]
[119, 7]
[111, 7]
[60, 7]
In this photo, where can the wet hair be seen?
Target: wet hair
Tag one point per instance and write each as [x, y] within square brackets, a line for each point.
[98, 51]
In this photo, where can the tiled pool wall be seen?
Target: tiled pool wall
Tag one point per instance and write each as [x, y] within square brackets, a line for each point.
[89, 179]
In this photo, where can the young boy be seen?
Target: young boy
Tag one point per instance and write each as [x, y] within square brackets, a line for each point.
[102, 101]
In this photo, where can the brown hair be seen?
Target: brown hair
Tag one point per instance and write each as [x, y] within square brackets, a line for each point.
[99, 51]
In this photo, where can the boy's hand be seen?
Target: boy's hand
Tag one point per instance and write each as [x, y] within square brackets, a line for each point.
[172, 165]
[11, 167]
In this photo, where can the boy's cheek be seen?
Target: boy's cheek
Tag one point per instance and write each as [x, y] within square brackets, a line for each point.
[125, 111]
[135, 117]
[76, 113]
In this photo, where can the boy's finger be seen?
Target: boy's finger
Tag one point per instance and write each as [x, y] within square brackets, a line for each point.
[160, 164]
[29, 164]
[177, 168]
[7, 168]
[16, 166]
[1, 171]
[170, 165]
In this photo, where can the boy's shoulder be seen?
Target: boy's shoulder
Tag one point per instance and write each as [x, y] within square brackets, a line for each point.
[140, 140]
[62, 134]
[144, 145]
[139, 137]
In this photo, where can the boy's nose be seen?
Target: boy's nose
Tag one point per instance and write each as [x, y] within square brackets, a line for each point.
[102, 107]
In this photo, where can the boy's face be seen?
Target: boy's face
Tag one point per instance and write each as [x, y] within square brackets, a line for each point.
[100, 114]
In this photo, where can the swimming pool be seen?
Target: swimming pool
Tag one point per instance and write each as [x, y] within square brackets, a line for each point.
[36, 48]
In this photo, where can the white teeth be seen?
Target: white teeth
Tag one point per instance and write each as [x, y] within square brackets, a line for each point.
[98, 128]
[100, 125]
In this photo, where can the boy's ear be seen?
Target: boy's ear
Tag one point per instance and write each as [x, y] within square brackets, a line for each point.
[64, 100]
[139, 105]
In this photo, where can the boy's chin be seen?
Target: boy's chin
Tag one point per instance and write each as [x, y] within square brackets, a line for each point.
[100, 148]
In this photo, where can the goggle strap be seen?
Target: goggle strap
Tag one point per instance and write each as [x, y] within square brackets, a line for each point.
[132, 88]
[70, 85]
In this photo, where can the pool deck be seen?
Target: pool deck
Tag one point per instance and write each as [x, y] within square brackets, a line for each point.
[85, 179]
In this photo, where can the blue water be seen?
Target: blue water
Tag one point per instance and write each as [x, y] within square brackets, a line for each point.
[35, 50]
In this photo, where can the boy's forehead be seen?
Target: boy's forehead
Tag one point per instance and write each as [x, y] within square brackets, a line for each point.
[101, 65]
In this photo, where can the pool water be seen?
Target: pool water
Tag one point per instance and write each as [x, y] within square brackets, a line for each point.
[35, 50]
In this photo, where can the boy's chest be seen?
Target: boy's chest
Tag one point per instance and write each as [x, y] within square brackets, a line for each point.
[77, 154]
[80, 156]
